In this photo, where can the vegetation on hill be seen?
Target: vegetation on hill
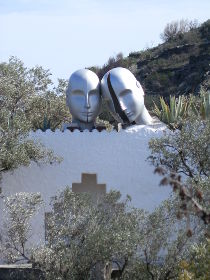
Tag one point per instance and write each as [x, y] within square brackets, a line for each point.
[178, 66]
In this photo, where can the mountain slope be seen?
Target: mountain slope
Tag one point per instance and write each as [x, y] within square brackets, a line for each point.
[178, 66]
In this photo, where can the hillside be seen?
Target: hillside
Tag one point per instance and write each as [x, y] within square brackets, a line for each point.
[179, 66]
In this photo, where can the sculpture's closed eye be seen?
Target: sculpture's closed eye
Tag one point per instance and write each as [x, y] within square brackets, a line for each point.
[93, 92]
[77, 92]
[125, 92]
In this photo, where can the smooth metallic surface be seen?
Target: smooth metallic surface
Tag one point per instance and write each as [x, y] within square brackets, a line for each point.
[124, 96]
[83, 97]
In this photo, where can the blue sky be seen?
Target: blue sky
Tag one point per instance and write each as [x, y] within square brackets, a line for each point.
[66, 35]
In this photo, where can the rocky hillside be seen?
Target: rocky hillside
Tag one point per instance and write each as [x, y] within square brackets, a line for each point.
[178, 66]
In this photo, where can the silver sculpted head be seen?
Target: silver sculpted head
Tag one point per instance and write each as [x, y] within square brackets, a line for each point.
[83, 97]
[124, 96]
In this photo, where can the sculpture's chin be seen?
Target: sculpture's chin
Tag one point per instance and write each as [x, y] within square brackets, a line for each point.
[82, 119]
[90, 120]
[144, 118]
[131, 117]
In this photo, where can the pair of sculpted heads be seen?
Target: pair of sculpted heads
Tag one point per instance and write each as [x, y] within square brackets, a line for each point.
[119, 88]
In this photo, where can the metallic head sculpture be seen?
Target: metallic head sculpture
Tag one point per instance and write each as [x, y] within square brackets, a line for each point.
[125, 97]
[83, 98]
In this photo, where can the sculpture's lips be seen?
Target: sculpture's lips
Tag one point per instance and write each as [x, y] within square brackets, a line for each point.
[87, 113]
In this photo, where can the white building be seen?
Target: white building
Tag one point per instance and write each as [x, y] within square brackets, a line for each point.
[119, 160]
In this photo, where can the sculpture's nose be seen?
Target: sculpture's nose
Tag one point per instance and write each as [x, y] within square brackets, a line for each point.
[87, 104]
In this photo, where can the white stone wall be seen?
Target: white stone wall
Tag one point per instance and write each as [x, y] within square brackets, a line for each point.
[118, 158]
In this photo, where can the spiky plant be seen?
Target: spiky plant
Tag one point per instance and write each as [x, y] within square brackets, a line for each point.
[173, 113]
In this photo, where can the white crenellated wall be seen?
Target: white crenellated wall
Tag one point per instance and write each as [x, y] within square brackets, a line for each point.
[118, 158]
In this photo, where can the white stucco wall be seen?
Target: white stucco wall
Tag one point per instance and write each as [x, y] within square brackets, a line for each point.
[118, 158]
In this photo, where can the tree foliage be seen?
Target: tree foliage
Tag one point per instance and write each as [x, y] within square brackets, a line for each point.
[19, 209]
[26, 103]
[164, 245]
[30, 95]
[99, 240]
[87, 240]
[186, 152]
[84, 237]
[197, 267]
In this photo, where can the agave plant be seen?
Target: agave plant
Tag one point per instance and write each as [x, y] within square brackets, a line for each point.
[203, 109]
[174, 113]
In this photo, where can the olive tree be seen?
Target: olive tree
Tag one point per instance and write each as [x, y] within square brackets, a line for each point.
[99, 240]
[18, 212]
[21, 90]
[87, 240]
[49, 110]
[30, 95]
[164, 244]
[197, 267]
[84, 238]
[186, 152]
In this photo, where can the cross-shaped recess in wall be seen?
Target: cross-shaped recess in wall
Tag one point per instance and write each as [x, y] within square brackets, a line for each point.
[89, 185]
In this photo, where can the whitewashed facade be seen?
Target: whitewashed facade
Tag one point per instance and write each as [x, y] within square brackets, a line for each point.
[118, 158]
